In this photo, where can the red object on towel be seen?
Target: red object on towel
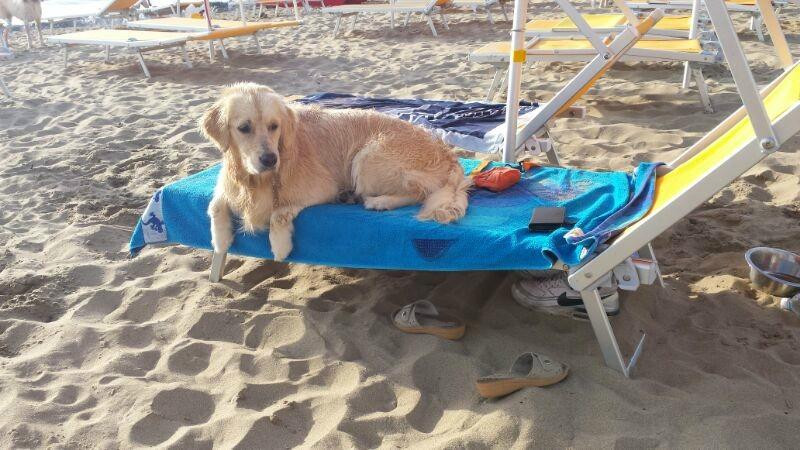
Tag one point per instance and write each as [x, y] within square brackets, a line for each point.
[497, 179]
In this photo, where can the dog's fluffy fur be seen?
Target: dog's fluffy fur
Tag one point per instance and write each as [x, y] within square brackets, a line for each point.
[25, 10]
[318, 154]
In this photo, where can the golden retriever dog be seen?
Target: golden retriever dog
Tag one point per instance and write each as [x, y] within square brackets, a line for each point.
[25, 10]
[280, 158]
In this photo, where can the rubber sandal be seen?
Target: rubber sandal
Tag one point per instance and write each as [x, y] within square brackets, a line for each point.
[421, 317]
[529, 370]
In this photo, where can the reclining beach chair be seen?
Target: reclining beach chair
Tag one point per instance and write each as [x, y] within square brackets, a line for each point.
[765, 121]
[426, 8]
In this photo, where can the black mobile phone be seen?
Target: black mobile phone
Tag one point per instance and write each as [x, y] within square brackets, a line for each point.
[547, 219]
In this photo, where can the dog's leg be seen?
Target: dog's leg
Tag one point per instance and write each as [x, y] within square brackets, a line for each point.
[281, 227]
[28, 34]
[387, 202]
[221, 225]
[39, 31]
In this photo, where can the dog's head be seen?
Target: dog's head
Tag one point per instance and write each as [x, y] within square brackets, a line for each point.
[252, 125]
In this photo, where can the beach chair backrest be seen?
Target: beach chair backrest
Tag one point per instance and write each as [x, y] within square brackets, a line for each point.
[734, 151]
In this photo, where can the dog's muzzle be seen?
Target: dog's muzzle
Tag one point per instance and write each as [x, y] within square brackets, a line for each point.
[268, 160]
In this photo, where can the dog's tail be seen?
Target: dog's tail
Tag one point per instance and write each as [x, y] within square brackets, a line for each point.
[448, 203]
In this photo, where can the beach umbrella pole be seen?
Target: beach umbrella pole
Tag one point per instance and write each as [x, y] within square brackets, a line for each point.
[516, 61]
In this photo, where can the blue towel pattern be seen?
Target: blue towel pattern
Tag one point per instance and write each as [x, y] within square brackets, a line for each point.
[462, 124]
[493, 235]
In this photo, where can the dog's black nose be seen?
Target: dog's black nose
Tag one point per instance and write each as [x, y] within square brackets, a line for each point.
[268, 160]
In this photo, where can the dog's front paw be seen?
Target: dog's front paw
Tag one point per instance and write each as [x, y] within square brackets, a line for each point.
[281, 245]
[379, 203]
[221, 242]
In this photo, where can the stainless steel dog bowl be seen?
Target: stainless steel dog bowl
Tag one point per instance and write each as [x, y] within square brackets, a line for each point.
[774, 271]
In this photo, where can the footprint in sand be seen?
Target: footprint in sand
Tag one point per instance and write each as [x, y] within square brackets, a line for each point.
[190, 359]
[169, 411]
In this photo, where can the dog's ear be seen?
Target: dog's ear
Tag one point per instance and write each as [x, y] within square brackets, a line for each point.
[215, 127]
[288, 132]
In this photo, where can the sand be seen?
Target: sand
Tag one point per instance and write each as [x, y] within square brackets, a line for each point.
[100, 350]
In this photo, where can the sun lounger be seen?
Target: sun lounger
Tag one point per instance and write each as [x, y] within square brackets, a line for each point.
[669, 26]
[222, 29]
[136, 41]
[426, 8]
[581, 49]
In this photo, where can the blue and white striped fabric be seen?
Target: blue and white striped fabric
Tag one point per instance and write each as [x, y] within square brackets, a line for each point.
[474, 126]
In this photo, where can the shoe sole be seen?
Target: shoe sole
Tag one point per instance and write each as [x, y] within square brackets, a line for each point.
[500, 388]
[577, 311]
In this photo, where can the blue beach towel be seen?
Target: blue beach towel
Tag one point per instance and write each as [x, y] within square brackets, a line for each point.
[474, 126]
[493, 235]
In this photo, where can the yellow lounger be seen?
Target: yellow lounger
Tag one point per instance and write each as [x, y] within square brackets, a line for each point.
[672, 26]
[222, 29]
[581, 49]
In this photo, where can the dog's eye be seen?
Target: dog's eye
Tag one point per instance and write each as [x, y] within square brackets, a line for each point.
[273, 126]
[244, 128]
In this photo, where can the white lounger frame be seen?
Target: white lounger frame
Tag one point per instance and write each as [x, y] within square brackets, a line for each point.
[5, 89]
[769, 137]
[136, 47]
[426, 9]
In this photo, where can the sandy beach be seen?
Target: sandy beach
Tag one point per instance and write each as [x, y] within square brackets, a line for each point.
[101, 350]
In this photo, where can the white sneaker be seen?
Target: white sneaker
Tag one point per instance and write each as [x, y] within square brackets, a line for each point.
[554, 295]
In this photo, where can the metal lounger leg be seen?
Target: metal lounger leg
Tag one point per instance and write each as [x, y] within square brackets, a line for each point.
[66, 55]
[650, 253]
[552, 154]
[217, 266]
[444, 19]
[337, 25]
[353, 25]
[605, 334]
[703, 90]
[391, 20]
[5, 89]
[211, 50]
[496, 80]
[430, 24]
[186, 59]
[141, 62]
[489, 15]
[258, 43]
[222, 49]
[108, 53]
[408, 17]
[503, 8]
[758, 27]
